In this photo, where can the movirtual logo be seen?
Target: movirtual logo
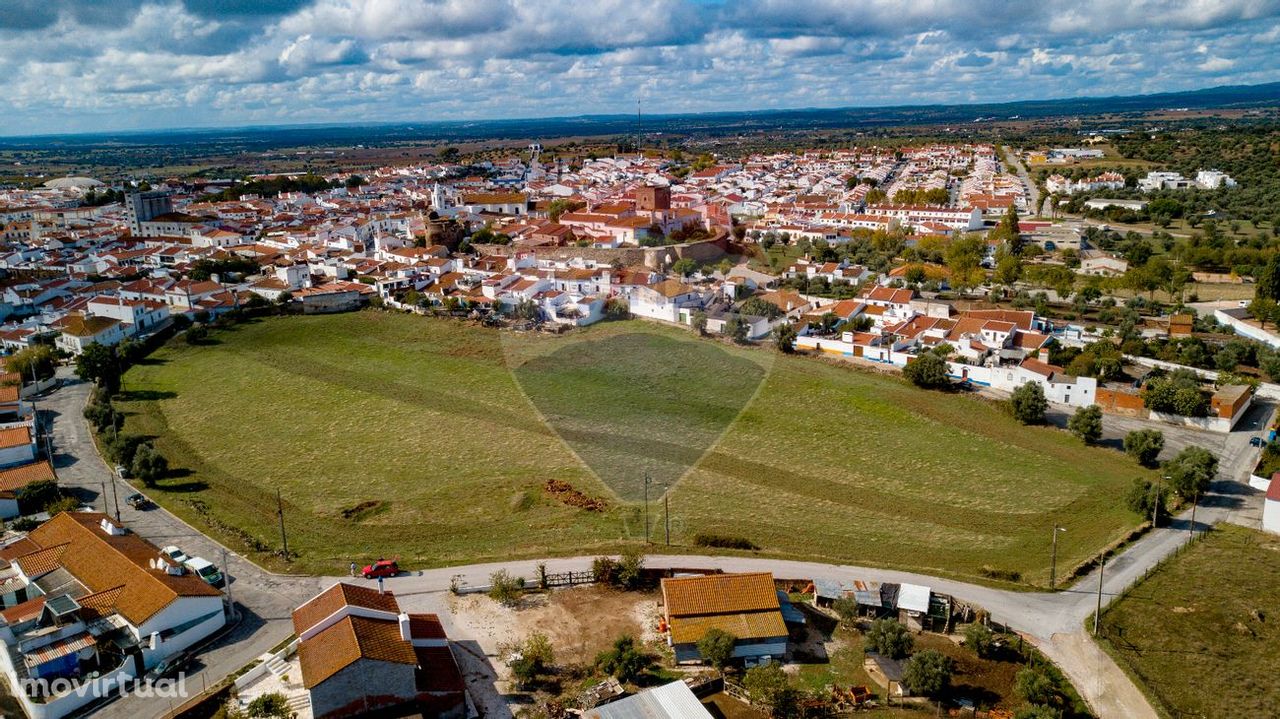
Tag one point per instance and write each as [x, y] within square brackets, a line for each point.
[103, 687]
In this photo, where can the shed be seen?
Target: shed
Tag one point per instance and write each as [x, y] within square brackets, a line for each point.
[669, 701]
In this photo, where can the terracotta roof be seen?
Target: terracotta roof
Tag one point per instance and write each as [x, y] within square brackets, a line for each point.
[348, 640]
[87, 326]
[745, 625]
[426, 626]
[719, 594]
[19, 613]
[101, 562]
[340, 595]
[15, 478]
[15, 437]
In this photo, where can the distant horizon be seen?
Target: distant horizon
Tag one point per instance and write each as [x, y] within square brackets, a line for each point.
[85, 66]
[658, 115]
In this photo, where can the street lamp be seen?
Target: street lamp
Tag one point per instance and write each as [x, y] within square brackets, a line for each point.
[1053, 565]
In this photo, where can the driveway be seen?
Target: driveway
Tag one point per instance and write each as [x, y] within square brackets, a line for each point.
[263, 600]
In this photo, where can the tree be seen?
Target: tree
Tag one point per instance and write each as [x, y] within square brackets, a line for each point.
[616, 309]
[964, 257]
[890, 638]
[528, 659]
[1086, 423]
[354, 181]
[269, 706]
[1028, 403]
[624, 661]
[99, 363]
[699, 322]
[504, 588]
[1035, 686]
[784, 337]
[1008, 270]
[771, 686]
[928, 673]
[36, 362]
[38, 495]
[684, 267]
[846, 608]
[1268, 286]
[1146, 498]
[927, 370]
[1144, 445]
[121, 448]
[716, 648]
[736, 328]
[1191, 471]
[980, 639]
[197, 333]
[148, 464]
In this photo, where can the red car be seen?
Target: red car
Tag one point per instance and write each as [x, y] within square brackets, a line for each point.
[382, 568]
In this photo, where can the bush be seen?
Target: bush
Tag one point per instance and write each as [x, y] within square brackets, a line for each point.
[1035, 686]
[504, 588]
[716, 648]
[1144, 445]
[927, 370]
[723, 541]
[121, 448]
[1191, 471]
[197, 333]
[148, 464]
[36, 496]
[625, 661]
[980, 639]
[626, 572]
[62, 504]
[846, 608]
[928, 673]
[269, 705]
[1028, 403]
[771, 686]
[889, 638]
[1086, 423]
[528, 659]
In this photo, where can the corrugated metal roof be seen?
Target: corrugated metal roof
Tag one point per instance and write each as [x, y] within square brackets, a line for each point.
[669, 701]
[59, 649]
[913, 598]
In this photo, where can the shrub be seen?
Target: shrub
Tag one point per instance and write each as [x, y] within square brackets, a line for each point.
[928, 673]
[504, 588]
[980, 639]
[1028, 403]
[716, 648]
[846, 608]
[889, 638]
[528, 659]
[269, 705]
[1086, 423]
[723, 541]
[770, 685]
[927, 370]
[1144, 445]
[148, 464]
[625, 661]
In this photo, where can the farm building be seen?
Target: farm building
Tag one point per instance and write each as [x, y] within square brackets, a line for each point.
[669, 701]
[744, 605]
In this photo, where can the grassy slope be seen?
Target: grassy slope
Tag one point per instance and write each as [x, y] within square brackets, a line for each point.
[826, 462]
[1201, 633]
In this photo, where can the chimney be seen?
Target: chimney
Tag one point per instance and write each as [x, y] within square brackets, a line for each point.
[404, 627]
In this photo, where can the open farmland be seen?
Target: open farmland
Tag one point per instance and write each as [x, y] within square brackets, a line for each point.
[1197, 649]
[431, 440]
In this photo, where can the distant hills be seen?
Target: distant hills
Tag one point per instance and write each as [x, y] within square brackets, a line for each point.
[716, 123]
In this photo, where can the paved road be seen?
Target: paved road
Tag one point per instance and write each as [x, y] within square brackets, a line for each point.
[264, 600]
[1054, 621]
[1033, 193]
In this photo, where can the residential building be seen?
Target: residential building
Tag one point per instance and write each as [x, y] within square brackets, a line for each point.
[744, 605]
[360, 654]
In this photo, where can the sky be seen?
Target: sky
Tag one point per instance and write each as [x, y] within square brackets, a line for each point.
[96, 65]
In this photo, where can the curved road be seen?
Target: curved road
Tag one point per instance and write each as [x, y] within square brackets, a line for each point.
[1053, 621]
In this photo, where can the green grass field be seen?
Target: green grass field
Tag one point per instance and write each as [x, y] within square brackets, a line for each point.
[1200, 634]
[391, 435]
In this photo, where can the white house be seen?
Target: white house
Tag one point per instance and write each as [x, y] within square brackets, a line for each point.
[664, 300]
[136, 316]
[17, 445]
[95, 606]
[80, 331]
[1271, 508]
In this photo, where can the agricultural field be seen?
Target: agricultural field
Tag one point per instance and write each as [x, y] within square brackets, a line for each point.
[444, 443]
[1198, 650]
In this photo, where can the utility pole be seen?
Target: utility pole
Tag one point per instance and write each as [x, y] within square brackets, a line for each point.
[1195, 501]
[666, 512]
[646, 507]
[1053, 565]
[226, 582]
[284, 538]
[115, 496]
[1097, 614]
